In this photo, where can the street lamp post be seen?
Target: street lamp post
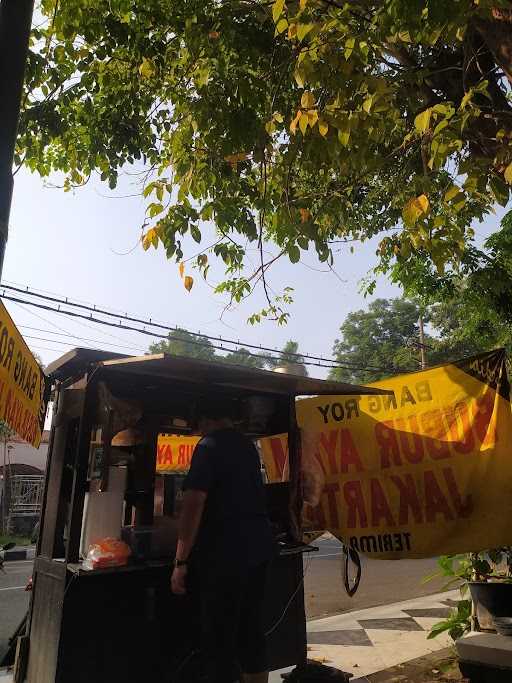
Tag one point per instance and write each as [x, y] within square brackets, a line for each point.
[15, 24]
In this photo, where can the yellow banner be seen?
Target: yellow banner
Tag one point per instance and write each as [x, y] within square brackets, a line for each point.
[425, 472]
[174, 452]
[23, 390]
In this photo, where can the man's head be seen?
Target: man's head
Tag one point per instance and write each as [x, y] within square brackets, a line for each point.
[213, 412]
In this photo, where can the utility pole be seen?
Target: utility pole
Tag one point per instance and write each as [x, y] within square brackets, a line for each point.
[423, 354]
[4, 489]
[15, 25]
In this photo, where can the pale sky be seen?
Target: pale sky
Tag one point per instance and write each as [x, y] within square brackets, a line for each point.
[72, 244]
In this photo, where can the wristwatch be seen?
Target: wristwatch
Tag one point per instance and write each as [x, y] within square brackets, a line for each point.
[180, 563]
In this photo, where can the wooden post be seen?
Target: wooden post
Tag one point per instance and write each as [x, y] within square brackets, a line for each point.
[15, 24]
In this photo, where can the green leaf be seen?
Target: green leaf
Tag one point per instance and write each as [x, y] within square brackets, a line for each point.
[277, 9]
[154, 209]
[422, 121]
[500, 190]
[294, 253]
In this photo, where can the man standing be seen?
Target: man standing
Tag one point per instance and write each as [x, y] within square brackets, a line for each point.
[225, 537]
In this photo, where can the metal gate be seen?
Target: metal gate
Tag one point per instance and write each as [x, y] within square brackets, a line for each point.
[26, 494]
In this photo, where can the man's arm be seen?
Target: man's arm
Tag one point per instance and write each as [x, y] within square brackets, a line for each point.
[188, 526]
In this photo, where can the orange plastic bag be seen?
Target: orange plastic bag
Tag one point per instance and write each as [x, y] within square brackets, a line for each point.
[109, 552]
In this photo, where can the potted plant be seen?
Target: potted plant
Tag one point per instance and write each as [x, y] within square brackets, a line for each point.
[491, 587]
[487, 576]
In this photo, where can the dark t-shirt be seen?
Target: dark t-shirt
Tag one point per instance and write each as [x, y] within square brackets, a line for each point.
[234, 527]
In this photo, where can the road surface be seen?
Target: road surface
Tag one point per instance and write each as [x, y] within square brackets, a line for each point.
[382, 582]
[13, 599]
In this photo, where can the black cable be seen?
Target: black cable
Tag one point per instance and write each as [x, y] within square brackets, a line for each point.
[74, 336]
[119, 325]
[94, 309]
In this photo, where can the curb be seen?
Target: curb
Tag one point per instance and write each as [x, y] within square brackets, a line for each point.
[18, 554]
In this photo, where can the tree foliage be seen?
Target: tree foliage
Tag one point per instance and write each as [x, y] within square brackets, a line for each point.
[184, 343]
[379, 342]
[384, 340]
[300, 123]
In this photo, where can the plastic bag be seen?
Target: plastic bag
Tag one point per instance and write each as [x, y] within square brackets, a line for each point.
[109, 552]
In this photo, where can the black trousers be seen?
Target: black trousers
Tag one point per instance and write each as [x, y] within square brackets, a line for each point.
[232, 627]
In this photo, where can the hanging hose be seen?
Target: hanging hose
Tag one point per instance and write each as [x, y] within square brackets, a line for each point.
[350, 556]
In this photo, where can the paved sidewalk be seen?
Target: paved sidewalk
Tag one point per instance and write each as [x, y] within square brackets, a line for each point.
[371, 640]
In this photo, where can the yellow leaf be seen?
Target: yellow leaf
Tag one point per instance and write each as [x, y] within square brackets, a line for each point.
[307, 101]
[302, 4]
[235, 159]
[416, 208]
[323, 127]
[344, 135]
[188, 282]
[303, 123]
[281, 26]
[295, 122]
[508, 174]
[181, 269]
[277, 9]
[300, 76]
[278, 117]
[422, 121]
[292, 31]
[451, 193]
[303, 30]
[467, 97]
[312, 118]
[405, 36]
[150, 239]
[147, 68]
[367, 104]
[305, 215]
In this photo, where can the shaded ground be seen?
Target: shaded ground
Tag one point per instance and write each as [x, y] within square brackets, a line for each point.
[440, 667]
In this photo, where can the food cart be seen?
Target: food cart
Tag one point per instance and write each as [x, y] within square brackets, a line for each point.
[123, 624]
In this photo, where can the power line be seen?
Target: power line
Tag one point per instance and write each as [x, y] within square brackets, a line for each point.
[119, 325]
[300, 357]
[78, 322]
[74, 336]
[330, 365]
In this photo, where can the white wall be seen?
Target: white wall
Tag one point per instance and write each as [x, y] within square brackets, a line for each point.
[22, 453]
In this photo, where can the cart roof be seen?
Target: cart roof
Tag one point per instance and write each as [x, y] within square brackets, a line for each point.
[231, 376]
[201, 372]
